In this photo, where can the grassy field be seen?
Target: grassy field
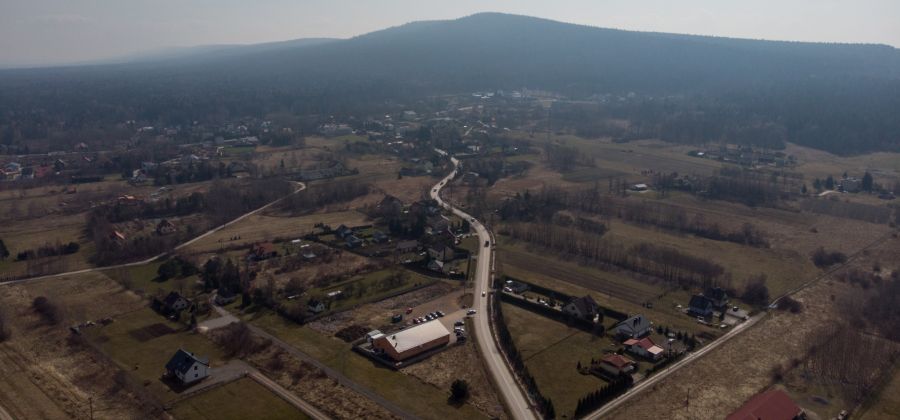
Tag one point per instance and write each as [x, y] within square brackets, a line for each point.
[370, 284]
[142, 342]
[887, 403]
[551, 351]
[612, 290]
[265, 227]
[423, 400]
[241, 399]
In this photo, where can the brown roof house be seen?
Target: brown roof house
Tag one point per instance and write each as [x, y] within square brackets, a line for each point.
[262, 251]
[615, 365]
[165, 227]
[774, 404]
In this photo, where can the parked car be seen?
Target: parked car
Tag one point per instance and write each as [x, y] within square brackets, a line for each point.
[471, 312]
[459, 323]
[408, 310]
[416, 321]
[440, 314]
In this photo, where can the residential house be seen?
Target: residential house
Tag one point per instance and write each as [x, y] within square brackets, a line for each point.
[315, 306]
[717, 295]
[635, 327]
[379, 237]
[516, 287]
[437, 265]
[174, 303]
[700, 306]
[584, 307]
[262, 251]
[408, 246]
[437, 224]
[645, 348]
[353, 241]
[850, 185]
[343, 232]
[616, 365]
[389, 205]
[165, 227]
[774, 404]
[187, 367]
[442, 252]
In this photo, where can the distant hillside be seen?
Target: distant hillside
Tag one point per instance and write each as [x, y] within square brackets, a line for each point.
[812, 83]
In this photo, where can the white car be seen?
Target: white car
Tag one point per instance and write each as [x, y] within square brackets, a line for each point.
[471, 312]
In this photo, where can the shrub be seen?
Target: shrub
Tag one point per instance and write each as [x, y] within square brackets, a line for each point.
[459, 391]
[47, 310]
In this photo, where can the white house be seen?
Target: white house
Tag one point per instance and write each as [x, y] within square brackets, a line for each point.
[187, 367]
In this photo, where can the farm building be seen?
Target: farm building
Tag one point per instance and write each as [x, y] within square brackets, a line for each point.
[770, 405]
[407, 343]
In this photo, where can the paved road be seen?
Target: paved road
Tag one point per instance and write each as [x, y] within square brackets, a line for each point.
[509, 389]
[4, 415]
[333, 374]
[301, 187]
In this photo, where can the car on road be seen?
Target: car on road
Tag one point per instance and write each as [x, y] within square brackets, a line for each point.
[487, 244]
[471, 312]
[483, 293]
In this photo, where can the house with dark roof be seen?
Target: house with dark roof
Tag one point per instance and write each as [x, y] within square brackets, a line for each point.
[701, 306]
[187, 367]
[584, 307]
[408, 246]
[379, 237]
[165, 227]
[173, 303]
[441, 252]
[635, 327]
[717, 295]
[315, 306]
[774, 404]
[353, 241]
[343, 232]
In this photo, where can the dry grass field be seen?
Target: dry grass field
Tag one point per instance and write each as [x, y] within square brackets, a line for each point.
[237, 400]
[263, 227]
[722, 380]
[48, 373]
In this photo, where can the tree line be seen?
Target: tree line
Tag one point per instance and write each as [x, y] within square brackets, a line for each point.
[663, 262]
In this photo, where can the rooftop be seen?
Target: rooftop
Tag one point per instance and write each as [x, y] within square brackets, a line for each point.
[418, 335]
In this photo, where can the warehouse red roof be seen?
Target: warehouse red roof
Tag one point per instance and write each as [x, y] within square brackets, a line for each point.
[769, 405]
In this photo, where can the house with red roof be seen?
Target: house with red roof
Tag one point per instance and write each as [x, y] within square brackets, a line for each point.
[616, 364]
[773, 404]
[644, 347]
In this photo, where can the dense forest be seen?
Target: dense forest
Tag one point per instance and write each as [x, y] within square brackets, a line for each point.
[840, 98]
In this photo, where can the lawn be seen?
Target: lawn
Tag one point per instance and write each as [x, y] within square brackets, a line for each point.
[887, 403]
[241, 399]
[612, 290]
[423, 400]
[259, 228]
[371, 287]
[141, 343]
[551, 351]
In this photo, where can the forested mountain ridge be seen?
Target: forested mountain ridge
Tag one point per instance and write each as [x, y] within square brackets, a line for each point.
[839, 97]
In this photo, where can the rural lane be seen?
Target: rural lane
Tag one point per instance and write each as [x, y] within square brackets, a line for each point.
[500, 371]
[151, 259]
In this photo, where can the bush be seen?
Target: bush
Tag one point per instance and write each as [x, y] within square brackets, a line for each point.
[822, 258]
[459, 391]
[788, 303]
[168, 269]
[47, 310]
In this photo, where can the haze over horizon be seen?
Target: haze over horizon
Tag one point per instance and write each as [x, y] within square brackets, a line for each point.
[50, 32]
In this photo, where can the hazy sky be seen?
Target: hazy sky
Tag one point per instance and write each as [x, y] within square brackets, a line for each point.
[58, 31]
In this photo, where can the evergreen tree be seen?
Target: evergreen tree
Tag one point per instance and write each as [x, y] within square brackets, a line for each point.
[829, 183]
[867, 182]
[3, 251]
